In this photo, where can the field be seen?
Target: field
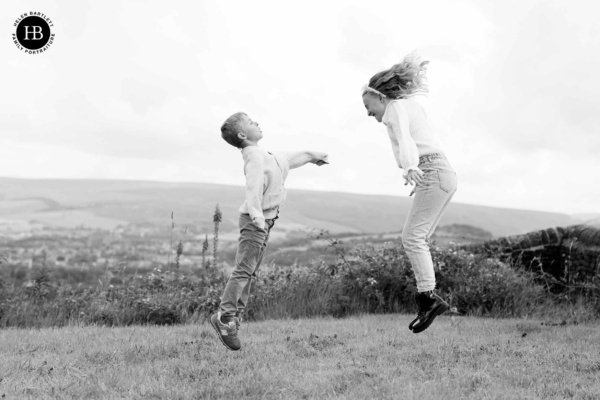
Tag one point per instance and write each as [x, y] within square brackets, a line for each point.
[362, 357]
[89, 281]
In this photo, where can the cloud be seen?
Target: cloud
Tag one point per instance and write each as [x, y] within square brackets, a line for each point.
[142, 96]
[140, 89]
[539, 88]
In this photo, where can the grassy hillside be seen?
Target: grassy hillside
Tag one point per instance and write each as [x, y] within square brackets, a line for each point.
[106, 204]
[367, 357]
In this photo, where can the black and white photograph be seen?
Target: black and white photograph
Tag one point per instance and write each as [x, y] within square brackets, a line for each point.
[299, 200]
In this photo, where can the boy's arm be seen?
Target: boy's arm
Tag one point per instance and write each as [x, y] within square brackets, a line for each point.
[299, 158]
[255, 171]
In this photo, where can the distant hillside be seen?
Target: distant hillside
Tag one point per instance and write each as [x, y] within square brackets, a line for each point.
[106, 204]
[593, 219]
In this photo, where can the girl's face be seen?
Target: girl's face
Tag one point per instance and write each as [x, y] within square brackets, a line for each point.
[375, 106]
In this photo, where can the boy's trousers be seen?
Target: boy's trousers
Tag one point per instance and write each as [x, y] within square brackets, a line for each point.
[251, 248]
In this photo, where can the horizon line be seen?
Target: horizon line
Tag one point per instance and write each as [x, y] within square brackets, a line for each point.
[594, 214]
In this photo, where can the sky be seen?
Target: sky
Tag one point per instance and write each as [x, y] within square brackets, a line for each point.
[139, 90]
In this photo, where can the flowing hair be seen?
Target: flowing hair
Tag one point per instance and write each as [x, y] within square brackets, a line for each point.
[402, 79]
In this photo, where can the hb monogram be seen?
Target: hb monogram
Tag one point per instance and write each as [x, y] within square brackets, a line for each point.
[37, 30]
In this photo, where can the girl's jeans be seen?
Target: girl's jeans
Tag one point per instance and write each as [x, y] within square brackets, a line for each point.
[251, 248]
[432, 197]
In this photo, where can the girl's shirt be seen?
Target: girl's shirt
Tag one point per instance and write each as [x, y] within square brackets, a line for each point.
[410, 132]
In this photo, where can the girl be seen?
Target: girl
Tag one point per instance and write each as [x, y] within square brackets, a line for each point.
[394, 97]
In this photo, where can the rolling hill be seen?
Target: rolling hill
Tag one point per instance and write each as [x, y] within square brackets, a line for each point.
[109, 203]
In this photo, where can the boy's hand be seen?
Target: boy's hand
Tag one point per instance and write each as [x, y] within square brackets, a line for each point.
[320, 159]
[259, 222]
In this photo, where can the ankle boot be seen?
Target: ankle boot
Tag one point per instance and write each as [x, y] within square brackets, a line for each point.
[430, 305]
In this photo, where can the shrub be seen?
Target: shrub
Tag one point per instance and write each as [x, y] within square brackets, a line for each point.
[360, 279]
[155, 298]
[480, 286]
[366, 279]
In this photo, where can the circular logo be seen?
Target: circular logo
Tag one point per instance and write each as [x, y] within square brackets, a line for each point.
[33, 34]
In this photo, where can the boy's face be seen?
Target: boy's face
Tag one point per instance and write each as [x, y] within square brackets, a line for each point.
[250, 130]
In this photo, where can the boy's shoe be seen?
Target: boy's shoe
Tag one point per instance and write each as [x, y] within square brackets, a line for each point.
[227, 332]
[430, 306]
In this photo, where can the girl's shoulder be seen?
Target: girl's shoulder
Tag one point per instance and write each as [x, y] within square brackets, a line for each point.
[398, 106]
[415, 103]
[407, 101]
[410, 107]
[419, 98]
[396, 103]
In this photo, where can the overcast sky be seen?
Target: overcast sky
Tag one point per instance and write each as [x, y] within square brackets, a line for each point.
[139, 90]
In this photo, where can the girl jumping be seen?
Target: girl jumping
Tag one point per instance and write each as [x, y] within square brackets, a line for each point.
[394, 97]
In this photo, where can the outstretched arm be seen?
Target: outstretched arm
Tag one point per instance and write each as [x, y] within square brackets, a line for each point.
[299, 158]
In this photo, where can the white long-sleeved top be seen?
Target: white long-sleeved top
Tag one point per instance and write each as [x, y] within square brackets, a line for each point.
[410, 132]
[266, 173]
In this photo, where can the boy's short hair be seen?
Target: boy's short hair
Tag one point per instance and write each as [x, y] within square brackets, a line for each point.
[231, 128]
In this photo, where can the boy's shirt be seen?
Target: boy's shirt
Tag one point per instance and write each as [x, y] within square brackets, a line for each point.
[266, 173]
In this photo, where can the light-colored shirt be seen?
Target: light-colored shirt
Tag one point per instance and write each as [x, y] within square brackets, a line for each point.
[266, 173]
[410, 132]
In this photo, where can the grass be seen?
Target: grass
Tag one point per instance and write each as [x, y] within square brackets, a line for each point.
[366, 357]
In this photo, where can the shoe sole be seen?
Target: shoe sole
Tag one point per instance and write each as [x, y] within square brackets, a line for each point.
[442, 308]
[219, 335]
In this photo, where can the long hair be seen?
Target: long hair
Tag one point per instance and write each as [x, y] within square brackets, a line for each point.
[402, 79]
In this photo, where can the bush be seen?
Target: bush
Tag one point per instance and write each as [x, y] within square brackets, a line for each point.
[360, 279]
[366, 279]
[154, 298]
[481, 286]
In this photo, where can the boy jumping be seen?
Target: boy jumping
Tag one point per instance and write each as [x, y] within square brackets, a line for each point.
[265, 176]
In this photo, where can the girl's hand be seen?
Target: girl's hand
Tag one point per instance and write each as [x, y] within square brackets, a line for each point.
[414, 177]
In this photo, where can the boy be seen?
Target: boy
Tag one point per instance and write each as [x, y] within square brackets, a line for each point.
[265, 176]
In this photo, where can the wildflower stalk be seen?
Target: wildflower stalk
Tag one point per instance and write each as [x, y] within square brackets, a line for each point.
[205, 263]
[178, 253]
[171, 245]
[217, 218]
